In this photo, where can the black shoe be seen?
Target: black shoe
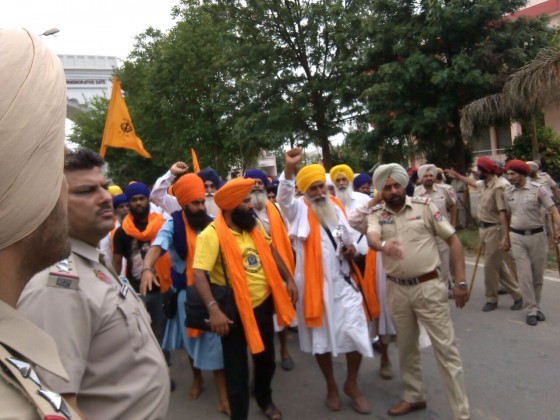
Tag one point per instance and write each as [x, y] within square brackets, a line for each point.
[532, 320]
[489, 306]
[517, 305]
[540, 316]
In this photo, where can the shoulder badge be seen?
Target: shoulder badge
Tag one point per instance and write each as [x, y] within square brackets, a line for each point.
[420, 200]
[376, 207]
[64, 275]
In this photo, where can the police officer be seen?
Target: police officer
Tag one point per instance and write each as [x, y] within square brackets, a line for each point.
[33, 233]
[524, 200]
[403, 229]
[115, 364]
[445, 201]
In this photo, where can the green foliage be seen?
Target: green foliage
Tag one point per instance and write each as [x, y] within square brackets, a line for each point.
[549, 148]
[429, 59]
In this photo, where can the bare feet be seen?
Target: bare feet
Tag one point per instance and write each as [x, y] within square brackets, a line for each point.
[333, 402]
[223, 407]
[359, 402]
[196, 389]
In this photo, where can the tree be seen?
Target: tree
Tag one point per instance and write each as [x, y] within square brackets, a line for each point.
[431, 58]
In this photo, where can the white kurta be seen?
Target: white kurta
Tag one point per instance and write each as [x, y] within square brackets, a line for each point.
[344, 327]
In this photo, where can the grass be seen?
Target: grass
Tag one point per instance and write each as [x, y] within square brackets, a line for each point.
[469, 239]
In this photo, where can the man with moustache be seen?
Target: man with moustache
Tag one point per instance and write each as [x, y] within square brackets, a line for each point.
[403, 230]
[331, 319]
[178, 237]
[132, 241]
[269, 215]
[237, 248]
[168, 202]
[445, 202]
[34, 231]
[525, 200]
[114, 362]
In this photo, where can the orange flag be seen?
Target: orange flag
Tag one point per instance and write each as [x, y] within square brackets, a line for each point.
[196, 166]
[119, 131]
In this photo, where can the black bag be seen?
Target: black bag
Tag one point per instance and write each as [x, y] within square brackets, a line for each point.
[169, 304]
[196, 310]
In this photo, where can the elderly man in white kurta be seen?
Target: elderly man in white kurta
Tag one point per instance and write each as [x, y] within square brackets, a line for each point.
[330, 315]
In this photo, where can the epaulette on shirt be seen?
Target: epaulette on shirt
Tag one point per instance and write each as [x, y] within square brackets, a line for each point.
[535, 184]
[64, 275]
[420, 200]
[376, 207]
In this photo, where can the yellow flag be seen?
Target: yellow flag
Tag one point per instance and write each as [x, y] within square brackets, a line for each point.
[196, 166]
[119, 131]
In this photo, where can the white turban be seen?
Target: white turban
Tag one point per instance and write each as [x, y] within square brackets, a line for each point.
[533, 165]
[422, 170]
[393, 170]
[32, 114]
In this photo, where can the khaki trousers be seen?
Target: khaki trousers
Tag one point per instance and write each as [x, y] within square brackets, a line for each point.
[427, 303]
[494, 270]
[444, 255]
[530, 259]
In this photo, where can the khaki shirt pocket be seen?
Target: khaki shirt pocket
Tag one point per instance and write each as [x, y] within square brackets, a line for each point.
[134, 326]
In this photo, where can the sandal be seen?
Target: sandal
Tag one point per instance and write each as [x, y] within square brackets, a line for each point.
[272, 413]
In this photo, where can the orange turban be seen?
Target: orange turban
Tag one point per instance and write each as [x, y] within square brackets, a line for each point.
[233, 193]
[308, 175]
[345, 170]
[189, 188]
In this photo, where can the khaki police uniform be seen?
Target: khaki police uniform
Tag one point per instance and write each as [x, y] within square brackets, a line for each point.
[443, 198]
[103, 331]
[415, 293]
[23, 348]
[491, 202]
[528, 238]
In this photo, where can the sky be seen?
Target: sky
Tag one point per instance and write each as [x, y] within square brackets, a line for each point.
[92, 27]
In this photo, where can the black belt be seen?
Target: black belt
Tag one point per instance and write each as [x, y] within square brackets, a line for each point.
[416, 280]
[485, 225]
[527, 232]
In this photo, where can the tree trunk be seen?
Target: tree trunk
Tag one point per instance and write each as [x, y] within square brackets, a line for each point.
[326, 150]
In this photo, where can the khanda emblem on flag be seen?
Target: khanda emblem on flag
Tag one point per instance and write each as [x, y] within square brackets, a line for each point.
[126, 127]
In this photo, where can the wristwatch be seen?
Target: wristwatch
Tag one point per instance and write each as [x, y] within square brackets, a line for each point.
[462, 285]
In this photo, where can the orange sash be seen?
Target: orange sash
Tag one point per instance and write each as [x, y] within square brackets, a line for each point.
[234, 261]
[279, 236]
[190, 234]
[163, 264]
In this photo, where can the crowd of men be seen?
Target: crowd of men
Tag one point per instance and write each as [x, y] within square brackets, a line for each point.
[99, 274]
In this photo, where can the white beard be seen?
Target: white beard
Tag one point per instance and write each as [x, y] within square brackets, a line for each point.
[211, 207]
[344, 194]
[325, 211]
[259, 199]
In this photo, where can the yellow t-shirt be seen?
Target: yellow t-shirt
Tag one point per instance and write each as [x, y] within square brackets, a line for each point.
[209, 258]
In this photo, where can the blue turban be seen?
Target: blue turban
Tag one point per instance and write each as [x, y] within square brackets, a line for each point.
[137, 188]
[360, 180]
[119, 199]
[209, 174]
[257, 174]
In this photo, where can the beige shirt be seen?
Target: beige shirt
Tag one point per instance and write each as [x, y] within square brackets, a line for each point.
[442, 197]
[526, 205]
[28, 343]
[415, 227]
[115, 363]
[491, 202]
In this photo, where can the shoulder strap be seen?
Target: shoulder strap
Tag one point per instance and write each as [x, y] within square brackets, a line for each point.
[22, 376]
[330, 236]
[226, 277]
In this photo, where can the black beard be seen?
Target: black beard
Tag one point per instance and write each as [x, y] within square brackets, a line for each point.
[396, 202]
[482, 176]
[140, 213]
[197, 220]
[244, 219]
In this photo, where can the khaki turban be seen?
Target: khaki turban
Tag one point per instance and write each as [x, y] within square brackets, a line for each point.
[533, 165]
[393, 170]
[233, 193]
[345, 170]
[308, 175]
[32, 115]
[188, 188]
[424, 169]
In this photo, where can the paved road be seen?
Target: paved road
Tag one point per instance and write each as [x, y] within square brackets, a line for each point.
[511, 371]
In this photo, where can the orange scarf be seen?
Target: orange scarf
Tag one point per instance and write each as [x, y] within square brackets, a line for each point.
[367, 284]
[313, 305]
[190, 234]
[280, 238]
[163, 264]
[234, 261]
